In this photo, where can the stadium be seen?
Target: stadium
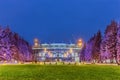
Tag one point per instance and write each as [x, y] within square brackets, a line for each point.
[56, 51]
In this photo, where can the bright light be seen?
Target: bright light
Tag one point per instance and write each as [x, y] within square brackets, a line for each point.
[71, 50]
[45, 50]
[80, 43]
[4, 54]
[65, 55]
[36, 42]
[50, 54]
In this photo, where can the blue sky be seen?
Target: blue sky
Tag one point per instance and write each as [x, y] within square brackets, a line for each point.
[58, 20]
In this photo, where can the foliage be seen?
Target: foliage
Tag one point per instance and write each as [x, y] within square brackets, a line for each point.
[91, 51]
[13, 47]
[106, 48]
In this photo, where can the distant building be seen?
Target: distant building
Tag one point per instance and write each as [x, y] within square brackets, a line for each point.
[56, 51]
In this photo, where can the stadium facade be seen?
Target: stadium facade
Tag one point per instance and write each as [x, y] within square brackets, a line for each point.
[56, 52]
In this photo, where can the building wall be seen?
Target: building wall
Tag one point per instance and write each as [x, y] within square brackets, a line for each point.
[56, 52]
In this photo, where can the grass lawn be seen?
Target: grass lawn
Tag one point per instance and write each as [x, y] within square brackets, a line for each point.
[59, 72]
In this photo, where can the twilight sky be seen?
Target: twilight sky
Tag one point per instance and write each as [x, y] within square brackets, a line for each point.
[58, 20]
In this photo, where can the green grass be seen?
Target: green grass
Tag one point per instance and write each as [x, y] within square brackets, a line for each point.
[59, 72]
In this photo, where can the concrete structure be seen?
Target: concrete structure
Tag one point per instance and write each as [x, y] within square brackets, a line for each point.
[56, 52]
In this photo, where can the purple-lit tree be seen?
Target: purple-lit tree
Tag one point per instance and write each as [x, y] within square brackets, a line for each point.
[82, 53]
[108, 46]
[104, 55]
[89, 49]
[117, 55]
[96, 47]
[13, 47]
[106, 49]
[91, 52]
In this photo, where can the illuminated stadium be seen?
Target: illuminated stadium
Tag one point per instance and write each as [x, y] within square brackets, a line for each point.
[56, 51]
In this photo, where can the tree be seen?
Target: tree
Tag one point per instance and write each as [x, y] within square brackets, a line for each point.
[96, 47]
[82, 53]
[89, 49]
[92, 49]
[108, 46]
[13, 47]
[117, 55]
[104, 51]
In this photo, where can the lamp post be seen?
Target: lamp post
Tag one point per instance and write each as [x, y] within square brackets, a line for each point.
[36, 43]
[80, 43]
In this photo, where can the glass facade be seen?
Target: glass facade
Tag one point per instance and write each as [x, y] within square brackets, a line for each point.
[56, 52]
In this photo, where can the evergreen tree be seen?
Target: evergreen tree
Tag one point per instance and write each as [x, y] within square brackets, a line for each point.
[89, 49]
[92, 50]
[108, 46]
[13, 47]
[104, 51]
[96, 47]
[117, 55]
[82, 53]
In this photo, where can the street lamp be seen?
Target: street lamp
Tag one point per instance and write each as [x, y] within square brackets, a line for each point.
[80, 43]
[36, 43]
